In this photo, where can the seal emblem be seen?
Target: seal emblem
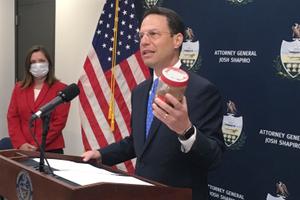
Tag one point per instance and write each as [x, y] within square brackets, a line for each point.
[24, 186]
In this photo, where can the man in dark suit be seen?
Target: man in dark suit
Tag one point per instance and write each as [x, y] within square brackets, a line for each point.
[185, 140]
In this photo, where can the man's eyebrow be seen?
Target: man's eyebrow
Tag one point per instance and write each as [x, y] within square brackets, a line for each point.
[154, 29]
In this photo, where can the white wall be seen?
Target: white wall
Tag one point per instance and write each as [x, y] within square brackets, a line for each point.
[7, 59]
[76, 22]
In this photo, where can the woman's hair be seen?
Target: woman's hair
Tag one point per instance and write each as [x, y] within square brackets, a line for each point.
[28, 78]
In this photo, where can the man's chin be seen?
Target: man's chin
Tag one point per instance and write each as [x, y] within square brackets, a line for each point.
[149, 63]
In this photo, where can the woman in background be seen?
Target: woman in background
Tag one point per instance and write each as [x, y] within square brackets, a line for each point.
[38, 87]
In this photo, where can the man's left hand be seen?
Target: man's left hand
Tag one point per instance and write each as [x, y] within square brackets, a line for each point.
[174, 113]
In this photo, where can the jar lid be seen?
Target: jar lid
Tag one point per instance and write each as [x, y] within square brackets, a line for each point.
[174, 77]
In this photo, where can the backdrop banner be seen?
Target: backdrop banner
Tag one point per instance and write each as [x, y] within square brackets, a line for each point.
[250, 49]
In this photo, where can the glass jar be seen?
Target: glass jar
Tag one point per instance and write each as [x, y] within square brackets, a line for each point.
[172, 81]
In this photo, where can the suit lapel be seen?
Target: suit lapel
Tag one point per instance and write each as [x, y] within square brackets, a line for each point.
[152, 132]
[141, 98]
[29, 93]
[155, 123]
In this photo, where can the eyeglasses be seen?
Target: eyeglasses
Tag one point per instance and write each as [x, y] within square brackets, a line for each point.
[152, 34]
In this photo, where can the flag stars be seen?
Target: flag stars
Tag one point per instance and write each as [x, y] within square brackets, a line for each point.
[126, 31]
[111, 5]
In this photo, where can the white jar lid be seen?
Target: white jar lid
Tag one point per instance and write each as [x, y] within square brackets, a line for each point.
[174, 77]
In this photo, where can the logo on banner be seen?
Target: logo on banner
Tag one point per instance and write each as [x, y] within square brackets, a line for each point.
[24, 186]
[281, 192]
[189, 55]
[240, 2]
[232, 128]
[289, 63]
[151, 3]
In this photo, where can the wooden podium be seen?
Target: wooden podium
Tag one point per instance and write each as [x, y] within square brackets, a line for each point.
[14, 184]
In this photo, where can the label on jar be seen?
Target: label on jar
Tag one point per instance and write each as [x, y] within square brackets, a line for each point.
[172, 81]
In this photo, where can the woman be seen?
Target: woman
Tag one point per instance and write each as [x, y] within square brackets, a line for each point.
[38, 87]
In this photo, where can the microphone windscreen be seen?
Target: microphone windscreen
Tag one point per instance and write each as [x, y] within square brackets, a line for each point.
[70, 92]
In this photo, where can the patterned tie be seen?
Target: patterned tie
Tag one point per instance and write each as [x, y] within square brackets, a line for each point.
[149, 106]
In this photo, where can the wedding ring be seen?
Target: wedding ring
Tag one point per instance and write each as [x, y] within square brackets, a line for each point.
[166, 115]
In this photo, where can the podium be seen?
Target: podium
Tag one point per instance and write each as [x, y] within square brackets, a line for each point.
[21, 181]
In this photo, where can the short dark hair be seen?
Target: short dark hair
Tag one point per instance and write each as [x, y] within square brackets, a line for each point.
[28, 78]
[175, 22]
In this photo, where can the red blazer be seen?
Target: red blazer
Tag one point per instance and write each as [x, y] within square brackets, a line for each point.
[22, 106]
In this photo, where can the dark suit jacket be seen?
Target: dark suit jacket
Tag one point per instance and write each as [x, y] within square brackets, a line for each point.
[22, 106]
[160, 158]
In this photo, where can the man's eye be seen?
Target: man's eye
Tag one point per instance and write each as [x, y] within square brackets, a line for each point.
[152, 33]
[141, 35]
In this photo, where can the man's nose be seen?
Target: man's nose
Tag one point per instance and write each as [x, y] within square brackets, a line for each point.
[144, 40]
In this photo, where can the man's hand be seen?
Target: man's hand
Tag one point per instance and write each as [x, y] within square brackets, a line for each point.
[93, 154]
[27, 147]
[174, 113]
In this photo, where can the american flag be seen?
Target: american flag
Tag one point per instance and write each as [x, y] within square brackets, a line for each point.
[113, 67]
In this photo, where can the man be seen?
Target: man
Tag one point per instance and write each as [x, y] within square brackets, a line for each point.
[185, 140]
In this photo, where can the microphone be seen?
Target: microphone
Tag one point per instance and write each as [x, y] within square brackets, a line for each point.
[66, 95]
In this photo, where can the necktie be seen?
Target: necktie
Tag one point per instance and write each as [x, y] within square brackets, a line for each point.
[149, 106]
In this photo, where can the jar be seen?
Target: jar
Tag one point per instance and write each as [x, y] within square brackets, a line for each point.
[172, 81]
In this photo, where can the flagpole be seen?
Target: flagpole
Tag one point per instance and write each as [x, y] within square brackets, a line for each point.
[111, 111]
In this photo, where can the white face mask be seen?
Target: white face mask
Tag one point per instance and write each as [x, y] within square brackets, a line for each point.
[39, 70]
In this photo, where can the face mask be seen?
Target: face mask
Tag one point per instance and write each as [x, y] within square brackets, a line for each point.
[39, 70]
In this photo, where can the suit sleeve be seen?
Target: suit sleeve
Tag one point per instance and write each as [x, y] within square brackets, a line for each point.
[14, 121]
[118, 152]
[206, 113]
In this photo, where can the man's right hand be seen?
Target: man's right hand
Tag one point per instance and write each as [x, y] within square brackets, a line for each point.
[93, 154]
[27, 147]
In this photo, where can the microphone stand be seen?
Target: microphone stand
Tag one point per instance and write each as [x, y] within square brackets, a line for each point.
[46, 120]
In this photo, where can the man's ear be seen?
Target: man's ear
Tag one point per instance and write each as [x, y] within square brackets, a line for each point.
[178, 40]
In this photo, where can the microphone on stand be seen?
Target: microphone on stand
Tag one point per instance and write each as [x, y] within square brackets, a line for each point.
[66, 95]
